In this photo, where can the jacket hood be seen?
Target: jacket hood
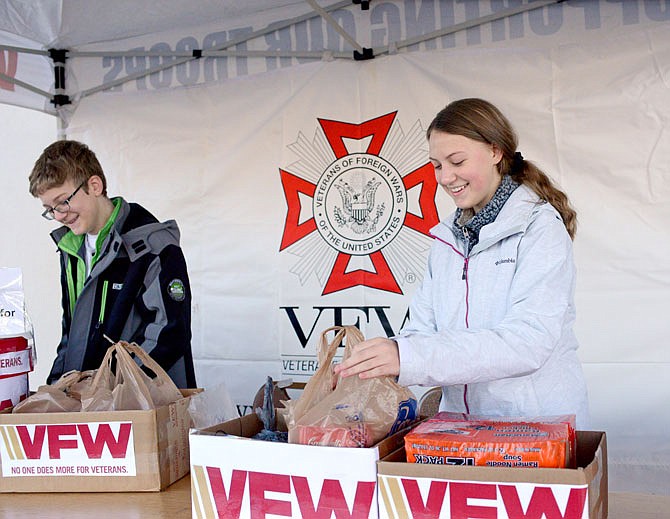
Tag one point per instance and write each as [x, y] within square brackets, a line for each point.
[153, 237]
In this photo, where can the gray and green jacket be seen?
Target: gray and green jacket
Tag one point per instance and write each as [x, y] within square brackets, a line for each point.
[138, 291]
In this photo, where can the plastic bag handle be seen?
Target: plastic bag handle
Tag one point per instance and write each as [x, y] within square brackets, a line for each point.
[147, 360]
[328, 349]
[67, 379]
[103, 370]
[127, 370]
[353, 336]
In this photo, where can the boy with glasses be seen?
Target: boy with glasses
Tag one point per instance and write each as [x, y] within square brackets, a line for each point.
[123, 273]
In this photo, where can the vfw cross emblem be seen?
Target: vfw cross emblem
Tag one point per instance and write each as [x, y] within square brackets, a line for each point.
[361, 200]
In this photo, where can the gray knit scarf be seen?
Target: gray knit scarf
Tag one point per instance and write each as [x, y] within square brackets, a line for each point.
[474, 222]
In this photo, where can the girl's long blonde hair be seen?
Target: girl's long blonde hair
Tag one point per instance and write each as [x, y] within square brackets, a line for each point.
[479, 120]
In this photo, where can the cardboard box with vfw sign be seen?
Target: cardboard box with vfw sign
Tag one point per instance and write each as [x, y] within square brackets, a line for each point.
[112, 451]
[234, 476]
[411, 490]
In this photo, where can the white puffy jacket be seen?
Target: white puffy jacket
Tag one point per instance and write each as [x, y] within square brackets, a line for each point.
[495, 329]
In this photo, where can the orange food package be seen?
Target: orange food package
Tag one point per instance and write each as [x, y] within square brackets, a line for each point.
[569, 419]
[489, 443]
[357, 434]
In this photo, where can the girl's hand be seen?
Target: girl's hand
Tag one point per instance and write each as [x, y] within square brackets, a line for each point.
[372, 358]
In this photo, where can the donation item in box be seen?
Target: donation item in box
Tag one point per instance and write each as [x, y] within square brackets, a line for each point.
[355, 434]
[16, 352]
[489, 443]
[347, 412]
[569, 420]
[110, 451]
[234, 476]
[412, 490]
[15, 364]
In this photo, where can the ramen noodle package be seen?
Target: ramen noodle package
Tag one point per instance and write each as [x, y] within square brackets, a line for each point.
[570, 420]
[490, 443]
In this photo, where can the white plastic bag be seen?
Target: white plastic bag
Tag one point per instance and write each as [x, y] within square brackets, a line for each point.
[17, 356]
[212, 407]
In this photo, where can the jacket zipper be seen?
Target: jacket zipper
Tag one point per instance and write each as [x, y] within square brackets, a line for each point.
[103, 302]
[466, 259]
[101, 315]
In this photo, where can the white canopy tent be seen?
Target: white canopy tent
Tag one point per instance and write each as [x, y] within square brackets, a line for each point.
[48, 33]
[227, 115]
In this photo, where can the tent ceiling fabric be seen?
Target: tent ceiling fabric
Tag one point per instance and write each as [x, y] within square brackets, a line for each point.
[32, 28]
[72, 23]
[38, 27]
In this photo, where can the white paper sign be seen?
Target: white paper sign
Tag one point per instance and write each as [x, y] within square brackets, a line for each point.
[15, 363]
[12, 310]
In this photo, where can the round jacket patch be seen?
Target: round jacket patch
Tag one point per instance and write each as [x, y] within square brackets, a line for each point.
[177, 290]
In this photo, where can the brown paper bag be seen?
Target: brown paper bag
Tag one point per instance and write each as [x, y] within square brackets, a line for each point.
[162, 389]
[60, 397]
[126, 386]
[321, 384]
[348, 412]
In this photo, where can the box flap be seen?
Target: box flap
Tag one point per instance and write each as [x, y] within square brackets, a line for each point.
[245, 426]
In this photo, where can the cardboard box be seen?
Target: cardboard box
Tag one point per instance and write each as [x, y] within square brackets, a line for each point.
[117, 451]
[409, 490]
[234, 476]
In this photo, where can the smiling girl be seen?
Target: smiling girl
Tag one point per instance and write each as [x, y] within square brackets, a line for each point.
[492, 322]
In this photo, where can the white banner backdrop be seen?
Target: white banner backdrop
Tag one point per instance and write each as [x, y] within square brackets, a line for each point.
[243, 165]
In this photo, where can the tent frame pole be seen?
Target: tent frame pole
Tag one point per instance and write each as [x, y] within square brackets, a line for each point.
[270, 29]
[504, 13]
[25, 85]
[331, 21]
[24, 50]
[60, 98]
[18, 82]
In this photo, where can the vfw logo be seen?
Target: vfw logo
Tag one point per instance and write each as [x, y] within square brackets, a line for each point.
[74, 449]
[432, 498]
[255, 494]
[361, 200]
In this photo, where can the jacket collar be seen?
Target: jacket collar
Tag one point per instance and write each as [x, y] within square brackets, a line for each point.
[513, 218]
[71, 243]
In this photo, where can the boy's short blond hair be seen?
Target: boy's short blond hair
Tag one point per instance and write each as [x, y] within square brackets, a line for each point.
[61, 161]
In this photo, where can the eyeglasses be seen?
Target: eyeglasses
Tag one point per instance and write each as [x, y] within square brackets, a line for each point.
[61, 207]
